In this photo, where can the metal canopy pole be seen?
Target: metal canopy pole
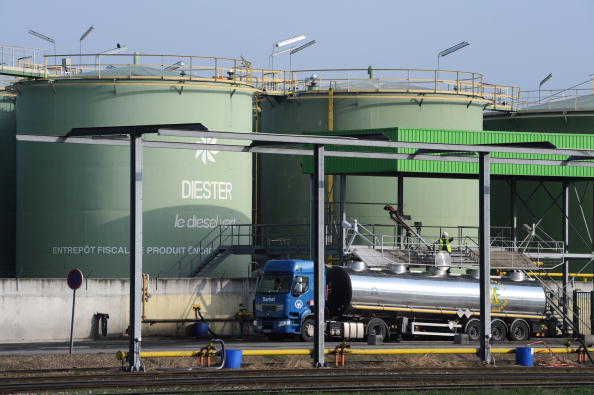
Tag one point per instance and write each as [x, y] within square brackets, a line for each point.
[317, 231]
[485, 261]
[400, 208]
[134, 361]
[565, 251]
[342, 214]
[514, 213]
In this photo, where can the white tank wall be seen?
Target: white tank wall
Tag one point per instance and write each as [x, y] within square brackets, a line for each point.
[39, 309]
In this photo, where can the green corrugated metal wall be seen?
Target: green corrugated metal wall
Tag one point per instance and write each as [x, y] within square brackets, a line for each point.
[468, 137]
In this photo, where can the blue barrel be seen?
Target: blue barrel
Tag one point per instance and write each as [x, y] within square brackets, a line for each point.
[524, 356]
[201, 329]
[233, 359]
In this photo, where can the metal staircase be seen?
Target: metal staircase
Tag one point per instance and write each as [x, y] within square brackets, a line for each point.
[569, 317]
[261, 242]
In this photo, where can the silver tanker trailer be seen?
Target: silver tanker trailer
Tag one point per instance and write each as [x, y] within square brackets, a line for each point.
[393, 302]
[389, 303]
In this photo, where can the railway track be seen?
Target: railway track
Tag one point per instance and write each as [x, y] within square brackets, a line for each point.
[307, 380]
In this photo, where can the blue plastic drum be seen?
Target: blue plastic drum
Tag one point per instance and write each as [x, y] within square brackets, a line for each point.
[524, 356]
[233, 359]
[201, 329]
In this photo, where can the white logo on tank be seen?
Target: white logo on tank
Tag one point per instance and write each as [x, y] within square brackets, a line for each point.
[204, 155]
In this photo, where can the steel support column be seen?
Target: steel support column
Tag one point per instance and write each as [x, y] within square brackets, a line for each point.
[485, 261]
[565, 232]
[514, 213]
[342, 214]
[134, 330]
[317, 231]
[400, 208]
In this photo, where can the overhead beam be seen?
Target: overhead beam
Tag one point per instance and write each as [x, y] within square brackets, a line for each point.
[345, 141]
[294, 151]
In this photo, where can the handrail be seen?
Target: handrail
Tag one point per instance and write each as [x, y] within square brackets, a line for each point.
[556, 99]
[388, 81]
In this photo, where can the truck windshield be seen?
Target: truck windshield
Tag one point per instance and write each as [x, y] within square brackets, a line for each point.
[275, 283]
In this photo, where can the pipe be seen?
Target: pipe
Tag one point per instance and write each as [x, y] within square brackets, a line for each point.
[121, 355]
[583, 275]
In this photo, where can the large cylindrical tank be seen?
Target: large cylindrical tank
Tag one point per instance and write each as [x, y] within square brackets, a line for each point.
[366, 104]
[348, 288]
[7, 183]
[73, 200]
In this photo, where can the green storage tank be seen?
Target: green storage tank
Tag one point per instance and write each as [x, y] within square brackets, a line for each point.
[7, 183]
[73, 200]
[433, 100]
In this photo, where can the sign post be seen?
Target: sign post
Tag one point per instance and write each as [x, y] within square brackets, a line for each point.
[74, 280]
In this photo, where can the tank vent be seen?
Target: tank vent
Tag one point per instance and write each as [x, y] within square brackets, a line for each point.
[357, 266]
[516, 275]
[474, 273]
[397, 268]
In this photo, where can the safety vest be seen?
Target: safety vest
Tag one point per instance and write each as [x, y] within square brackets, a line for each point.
[444, 245]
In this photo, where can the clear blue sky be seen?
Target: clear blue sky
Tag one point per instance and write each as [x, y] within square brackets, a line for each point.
[512, 42]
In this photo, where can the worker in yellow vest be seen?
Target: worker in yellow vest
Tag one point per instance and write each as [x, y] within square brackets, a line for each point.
[444, 242]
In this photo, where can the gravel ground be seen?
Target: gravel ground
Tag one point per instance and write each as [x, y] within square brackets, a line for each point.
[64, 363]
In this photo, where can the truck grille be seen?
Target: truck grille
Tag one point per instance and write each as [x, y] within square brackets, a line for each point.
[269, 307]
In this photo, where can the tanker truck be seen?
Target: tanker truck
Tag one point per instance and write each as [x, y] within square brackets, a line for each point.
[386, 304]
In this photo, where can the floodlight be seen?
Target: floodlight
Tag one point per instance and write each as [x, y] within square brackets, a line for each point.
[289, 41]
[301, 48]
[541, 83]
[46, 38]
[42, 36]
[85, 34]
[451, 49]
[545, 79]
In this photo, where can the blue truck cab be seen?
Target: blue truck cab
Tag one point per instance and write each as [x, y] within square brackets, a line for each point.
[284, 299]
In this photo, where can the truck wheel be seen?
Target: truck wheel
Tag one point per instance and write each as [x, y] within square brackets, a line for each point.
[473, 330]
[498, 330]
[519, 331]
[377, 327]
[308, 330]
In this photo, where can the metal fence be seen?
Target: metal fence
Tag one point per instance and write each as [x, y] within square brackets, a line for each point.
[583, 315]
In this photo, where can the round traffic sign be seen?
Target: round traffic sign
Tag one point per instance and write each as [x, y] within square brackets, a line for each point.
[74, 279]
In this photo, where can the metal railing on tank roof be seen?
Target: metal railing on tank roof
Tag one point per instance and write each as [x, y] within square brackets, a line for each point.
[15, 60]
[466, 86]
[576, 98]
[400, 83]
[148, 66]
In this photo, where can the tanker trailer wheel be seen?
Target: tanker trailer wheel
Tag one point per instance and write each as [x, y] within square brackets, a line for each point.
[473, 329]
[308, 330]
[519, 331]
[375, 327]
[498, 330]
